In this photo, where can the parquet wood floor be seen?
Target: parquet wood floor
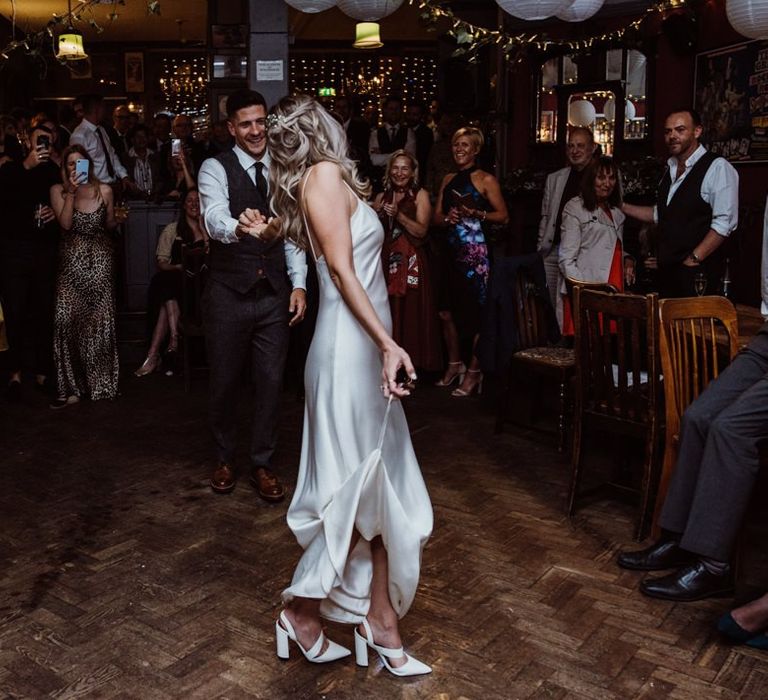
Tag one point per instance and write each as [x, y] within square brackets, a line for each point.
[123, 576]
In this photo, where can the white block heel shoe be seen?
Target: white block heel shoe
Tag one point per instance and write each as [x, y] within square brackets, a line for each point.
[411, 667]
[284, 631]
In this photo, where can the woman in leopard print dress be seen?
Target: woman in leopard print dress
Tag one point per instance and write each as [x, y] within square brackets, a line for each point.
[85, 345]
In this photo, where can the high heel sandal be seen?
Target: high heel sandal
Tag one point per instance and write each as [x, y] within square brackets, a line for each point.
[477, 387]
[411, 667]
[458, 374]
[284, 632]
[148, 366]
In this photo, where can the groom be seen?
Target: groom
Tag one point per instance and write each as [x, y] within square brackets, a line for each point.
[248, 303]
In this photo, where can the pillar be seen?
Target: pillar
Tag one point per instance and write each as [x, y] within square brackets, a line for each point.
[268, 70]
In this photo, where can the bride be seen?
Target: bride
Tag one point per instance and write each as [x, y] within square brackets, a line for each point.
[361, 511]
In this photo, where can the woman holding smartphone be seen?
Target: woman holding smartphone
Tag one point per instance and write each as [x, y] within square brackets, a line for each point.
[85, 344]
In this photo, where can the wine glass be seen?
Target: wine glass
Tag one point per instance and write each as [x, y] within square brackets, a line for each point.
[700, 284]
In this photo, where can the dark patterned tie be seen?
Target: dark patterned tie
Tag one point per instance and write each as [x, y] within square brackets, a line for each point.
[261, 181]
[110, 166]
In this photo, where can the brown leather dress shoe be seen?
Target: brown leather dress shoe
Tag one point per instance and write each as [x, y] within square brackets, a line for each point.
[223, 479]
[267, 485]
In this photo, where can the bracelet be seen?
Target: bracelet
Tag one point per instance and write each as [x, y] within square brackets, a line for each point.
[485, 215]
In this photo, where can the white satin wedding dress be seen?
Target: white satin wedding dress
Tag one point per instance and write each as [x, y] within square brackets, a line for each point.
[358, 469]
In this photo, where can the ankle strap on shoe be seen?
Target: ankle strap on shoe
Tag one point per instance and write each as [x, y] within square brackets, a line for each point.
[384, 651]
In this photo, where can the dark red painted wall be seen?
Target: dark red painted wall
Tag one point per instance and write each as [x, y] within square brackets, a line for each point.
[671, 86]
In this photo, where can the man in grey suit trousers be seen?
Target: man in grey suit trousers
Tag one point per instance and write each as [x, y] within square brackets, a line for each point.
[561, 186]
[712, 482]
[248, 296]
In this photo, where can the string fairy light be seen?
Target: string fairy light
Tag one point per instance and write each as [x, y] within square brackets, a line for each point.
[370, 78]
[471, 37]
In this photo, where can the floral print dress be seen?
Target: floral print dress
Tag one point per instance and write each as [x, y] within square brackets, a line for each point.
[468, 247]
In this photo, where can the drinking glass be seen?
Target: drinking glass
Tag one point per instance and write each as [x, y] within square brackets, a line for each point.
[39, 223]
[121, 211]
[700, 284]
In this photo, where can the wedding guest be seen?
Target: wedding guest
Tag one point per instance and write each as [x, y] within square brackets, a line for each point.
[591, 245]
[85, 344]
[142, 164]
[747, 624]
[180, 177]
[560, 187]
[469, 200]
[405, 213]
[28, 243]
[164, 294]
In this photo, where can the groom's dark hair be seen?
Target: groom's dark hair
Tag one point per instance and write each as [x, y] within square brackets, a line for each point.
[242, 99]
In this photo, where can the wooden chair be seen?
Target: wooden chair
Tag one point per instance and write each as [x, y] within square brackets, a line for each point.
[698, 336]
[194, 267]
[535, 356]
[617, 381]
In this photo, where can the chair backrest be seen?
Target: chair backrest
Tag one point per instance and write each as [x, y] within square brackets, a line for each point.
[617, 359]
[194, 268]
[699, 335]
[531, 313]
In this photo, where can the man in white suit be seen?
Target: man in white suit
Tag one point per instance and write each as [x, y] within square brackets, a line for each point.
[562, 185]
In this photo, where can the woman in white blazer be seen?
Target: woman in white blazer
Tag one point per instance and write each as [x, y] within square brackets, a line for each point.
[591, 244]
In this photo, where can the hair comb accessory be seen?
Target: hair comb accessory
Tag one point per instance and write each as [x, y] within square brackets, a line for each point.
[275, 120]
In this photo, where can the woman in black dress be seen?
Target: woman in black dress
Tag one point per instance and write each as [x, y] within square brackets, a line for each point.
[165, 288]
[469, 200]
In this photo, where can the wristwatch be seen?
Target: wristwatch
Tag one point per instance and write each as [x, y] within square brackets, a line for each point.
[694, 257]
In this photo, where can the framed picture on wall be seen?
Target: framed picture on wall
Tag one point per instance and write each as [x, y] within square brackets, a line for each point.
[729, 94]
[219, 103]
[229, 36]
[230, 66]
[134, 71]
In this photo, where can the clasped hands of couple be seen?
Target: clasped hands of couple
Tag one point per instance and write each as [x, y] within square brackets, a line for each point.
[253, 223]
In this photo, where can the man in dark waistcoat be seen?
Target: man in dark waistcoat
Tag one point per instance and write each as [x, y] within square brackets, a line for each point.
[697, 209]
[253, 288]
[391, 136]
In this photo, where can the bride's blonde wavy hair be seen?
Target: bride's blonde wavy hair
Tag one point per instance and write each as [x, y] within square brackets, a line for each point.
[300, 133]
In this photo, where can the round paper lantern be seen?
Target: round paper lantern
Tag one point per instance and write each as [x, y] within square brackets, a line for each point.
[748, 17]
[609, 110]
[580, 10]
[368, 10]
[533, 9]
[581, 113]
[311, 6]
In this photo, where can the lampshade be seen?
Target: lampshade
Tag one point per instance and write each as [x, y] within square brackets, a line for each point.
[368, 10]
[71, 47]
[533, 9]
[581, 113]
[367, 36]
[609, 110]
[580, 10]
[748, 17]
[311, 6]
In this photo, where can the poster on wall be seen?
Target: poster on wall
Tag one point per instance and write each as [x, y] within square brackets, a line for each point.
[731, 95]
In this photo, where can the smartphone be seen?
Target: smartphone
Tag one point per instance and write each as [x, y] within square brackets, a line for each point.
[44, 141]
[81, 170]
[175, 147]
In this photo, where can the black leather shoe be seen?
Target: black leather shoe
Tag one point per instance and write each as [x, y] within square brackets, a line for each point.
[690, 583]
[657, 557]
